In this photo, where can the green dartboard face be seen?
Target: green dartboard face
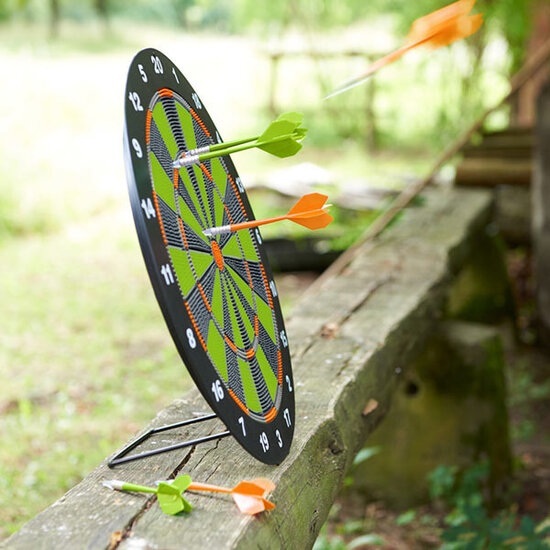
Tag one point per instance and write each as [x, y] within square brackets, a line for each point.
[217, 293]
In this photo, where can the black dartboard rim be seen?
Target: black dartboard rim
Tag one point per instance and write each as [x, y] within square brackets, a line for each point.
[266, 435]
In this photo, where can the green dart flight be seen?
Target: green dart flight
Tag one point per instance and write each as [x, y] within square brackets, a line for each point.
[281, 138]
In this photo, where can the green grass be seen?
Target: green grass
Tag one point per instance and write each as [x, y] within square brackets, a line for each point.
[85, 356]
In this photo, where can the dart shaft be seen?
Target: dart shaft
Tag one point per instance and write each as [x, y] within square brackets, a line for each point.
[192, 157]
[223, 149]
[208, 487]
[386, 60]
[224, 229]
[223, 145]
[137, 488]
[209, 148]
[377, 65]
[236, 148]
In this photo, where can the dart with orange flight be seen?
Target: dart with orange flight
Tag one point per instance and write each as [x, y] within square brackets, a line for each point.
[248, 495]
[310, 211]
[435, 30]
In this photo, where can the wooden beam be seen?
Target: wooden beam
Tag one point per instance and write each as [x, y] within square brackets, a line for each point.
[490, 172]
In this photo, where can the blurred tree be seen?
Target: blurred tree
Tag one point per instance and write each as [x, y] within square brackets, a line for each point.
[181, 9]
[54, 18]
[102, 10]
[4, 10]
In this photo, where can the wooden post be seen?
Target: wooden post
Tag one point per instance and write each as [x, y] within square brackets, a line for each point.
[541, 214]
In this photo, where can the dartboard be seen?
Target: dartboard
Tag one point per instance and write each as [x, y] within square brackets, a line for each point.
[217, 294]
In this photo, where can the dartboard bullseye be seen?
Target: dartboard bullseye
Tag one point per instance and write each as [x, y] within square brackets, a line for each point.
[216, 291]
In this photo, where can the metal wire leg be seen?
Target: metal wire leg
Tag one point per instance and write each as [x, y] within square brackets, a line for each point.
[121, 458]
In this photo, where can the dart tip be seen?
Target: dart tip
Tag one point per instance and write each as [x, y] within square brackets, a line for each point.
[113, 484]
[332, 94]
[213, 231]
[186, 160]
[350, 84]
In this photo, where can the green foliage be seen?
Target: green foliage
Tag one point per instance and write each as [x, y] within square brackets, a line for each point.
[370, 538]
[526, 389]
[513, 20]
[325, 542]
[469, 526]
[406, 517]
[365, 454]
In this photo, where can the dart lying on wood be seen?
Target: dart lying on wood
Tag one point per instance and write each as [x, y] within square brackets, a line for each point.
[435, 30]
[248, 495]
[281, 138]
[310, 211]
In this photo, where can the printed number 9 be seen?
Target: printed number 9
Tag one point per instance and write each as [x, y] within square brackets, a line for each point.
[137, 148]
[264, 442]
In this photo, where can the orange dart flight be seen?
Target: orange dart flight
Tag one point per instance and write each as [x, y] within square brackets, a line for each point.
[248, 495]
[435, 30]
[310, 211]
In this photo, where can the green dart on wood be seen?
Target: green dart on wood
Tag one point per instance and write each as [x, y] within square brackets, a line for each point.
[281, 138]
[169, 494]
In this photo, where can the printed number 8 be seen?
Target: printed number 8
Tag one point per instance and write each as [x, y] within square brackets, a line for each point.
[191, 338]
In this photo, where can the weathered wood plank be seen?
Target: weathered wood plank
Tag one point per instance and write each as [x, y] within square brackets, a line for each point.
[350, 341]
[516, 153]
[488, 172]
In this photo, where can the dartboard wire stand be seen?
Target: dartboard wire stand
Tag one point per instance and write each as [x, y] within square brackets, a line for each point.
[122, 456]
[216, 292]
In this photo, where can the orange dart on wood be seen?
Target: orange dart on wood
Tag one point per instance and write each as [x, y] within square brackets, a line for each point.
[248, 495]
[435, 30]
[310, 211]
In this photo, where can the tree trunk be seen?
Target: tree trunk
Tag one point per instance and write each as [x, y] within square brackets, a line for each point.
[524, 106]
[54, 18]
[541, 214]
